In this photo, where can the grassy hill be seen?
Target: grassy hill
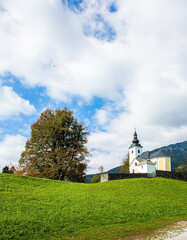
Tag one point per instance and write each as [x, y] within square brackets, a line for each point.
[33, 208]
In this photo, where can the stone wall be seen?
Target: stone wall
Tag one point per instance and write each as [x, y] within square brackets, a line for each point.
[117, 176]
[104, 177]
[175, 175]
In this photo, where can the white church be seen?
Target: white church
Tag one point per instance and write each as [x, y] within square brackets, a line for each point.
[146, 162]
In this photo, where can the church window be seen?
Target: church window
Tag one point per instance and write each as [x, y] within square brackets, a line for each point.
[138, 151]
[135, 163]
[132, 151]
[142, 166]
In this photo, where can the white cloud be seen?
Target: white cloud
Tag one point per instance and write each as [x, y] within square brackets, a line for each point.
[47, 47]
[104, 115]
[143, 70]
[155, 98]
[13, 104]
[10, 149]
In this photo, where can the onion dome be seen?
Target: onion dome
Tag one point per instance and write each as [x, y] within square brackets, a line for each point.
[135, 141]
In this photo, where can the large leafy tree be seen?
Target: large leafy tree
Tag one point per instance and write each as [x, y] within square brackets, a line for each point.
[56, 148]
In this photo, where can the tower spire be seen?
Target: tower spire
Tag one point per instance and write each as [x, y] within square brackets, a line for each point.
[135, 141]
[134, 151]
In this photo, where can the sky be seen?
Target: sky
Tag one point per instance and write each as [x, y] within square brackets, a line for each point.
[118, 64]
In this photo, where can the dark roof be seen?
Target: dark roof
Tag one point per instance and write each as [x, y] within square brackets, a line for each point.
[148, 155]
[144, 155]
[135, 144]
[159, 153]
[135, 141]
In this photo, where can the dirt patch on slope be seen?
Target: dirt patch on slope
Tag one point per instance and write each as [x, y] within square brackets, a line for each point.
[176, 231]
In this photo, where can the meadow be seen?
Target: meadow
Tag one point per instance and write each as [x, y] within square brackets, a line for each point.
[34, 208]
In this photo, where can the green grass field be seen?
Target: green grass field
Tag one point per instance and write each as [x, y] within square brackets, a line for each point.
[33, 208]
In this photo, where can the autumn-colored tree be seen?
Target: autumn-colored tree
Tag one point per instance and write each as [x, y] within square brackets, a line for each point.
[56, 149]
[125, 164]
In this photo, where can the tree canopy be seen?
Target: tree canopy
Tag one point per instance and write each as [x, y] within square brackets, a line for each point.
[125, 164]
[56, 148]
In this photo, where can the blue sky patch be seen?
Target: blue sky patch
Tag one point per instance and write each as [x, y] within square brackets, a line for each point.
[75, 5]
[113, 8]
[34, 95]
[102, 31]
[106, 32]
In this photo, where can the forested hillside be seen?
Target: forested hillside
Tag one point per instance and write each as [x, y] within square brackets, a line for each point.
[178, 153]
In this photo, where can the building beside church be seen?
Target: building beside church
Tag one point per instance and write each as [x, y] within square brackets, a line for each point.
[147, 162]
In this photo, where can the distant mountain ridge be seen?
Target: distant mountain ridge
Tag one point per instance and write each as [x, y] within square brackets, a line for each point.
[177, 151]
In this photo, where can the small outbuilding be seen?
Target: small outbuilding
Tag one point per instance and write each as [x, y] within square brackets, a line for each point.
[146, 167]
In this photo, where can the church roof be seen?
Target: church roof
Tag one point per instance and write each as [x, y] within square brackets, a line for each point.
[135, 144]
[159, 153]
[144, 155]
[146, 162]
[149, 155]
[135, 141]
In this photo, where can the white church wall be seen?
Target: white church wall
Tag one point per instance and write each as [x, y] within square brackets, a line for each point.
[146, 168]
[134, 152]
[142, 168]
[134, 167]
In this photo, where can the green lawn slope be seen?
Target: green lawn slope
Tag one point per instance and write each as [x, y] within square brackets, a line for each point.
[33, 208]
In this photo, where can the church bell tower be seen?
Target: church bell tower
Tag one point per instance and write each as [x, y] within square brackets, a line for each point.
[135, 149]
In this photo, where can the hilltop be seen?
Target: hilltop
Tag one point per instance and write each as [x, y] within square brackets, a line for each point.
[34, 208]
[177, 151]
